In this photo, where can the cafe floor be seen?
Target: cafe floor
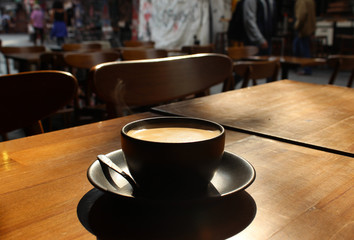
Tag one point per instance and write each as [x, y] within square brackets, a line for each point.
[319, 75]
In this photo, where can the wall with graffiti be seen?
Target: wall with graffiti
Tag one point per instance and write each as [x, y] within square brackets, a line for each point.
[174, 23]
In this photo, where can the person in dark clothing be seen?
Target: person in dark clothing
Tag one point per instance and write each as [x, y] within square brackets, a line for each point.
[58, 17]
[37, 21]
[259, 21]
[6, 21]
[305, 26]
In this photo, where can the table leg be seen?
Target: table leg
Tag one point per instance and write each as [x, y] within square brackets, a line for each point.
[285, 71]
[23, 66]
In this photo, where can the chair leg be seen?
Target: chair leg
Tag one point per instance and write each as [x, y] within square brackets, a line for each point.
[228, 84]
[246, 78]
[34, 129]
[334, 74]
[350, 81]
[7, 65]
[5, 137]
[333, 77]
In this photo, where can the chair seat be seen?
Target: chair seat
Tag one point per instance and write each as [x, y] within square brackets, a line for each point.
[84, 47]
[193, 49]
[238, 53]
[142, 53]
[254, 70]
[80, 63]
[136, 43]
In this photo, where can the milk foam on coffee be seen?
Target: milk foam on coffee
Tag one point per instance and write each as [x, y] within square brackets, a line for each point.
[173, 134]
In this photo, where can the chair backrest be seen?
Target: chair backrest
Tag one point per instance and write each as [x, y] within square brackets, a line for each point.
[340, 63]
[237, 53]
[24, 49]
[28, 97]
[69, 47]
[319, 45]
[256, 70]
[345, 44]
[86, 60]
[155, 81]
[136, 43]
[209, 48]
[83, 61]
[142, 53]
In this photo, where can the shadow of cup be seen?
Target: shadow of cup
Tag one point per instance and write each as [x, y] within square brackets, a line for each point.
[110, 217]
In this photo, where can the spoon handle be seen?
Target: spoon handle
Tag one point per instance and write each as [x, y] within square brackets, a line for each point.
[104, 159]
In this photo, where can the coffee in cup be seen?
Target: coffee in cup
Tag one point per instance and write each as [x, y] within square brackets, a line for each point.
[173, 134]
[173, 156]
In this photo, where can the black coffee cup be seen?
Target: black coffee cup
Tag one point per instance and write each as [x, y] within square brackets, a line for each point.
[178, 167]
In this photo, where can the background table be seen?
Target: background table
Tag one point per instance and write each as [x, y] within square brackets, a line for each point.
[288, 62]
[25, 60]
[318, 116]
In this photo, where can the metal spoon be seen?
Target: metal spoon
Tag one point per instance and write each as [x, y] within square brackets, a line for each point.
[108, 162]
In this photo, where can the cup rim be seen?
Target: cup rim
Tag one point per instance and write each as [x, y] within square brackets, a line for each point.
[127, 126]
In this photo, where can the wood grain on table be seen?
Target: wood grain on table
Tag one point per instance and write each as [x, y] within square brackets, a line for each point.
[299, 192]
[44, 177]
[314, 115]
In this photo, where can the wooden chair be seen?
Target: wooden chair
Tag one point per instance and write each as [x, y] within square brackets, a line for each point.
[0, 48]
[127, 84]
[56, 61]
[319, 46]
[25, 49]
[86, 47]
[278, 46]
[341, 63]
[193, 49]
[136, 43]
[82, 62]
[238, 53]
[142, 53]
[86, 60]
[256, 70]
[28, 97]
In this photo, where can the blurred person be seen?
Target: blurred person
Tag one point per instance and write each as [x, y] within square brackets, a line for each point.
[305, 25]
[6, 21]
[37, 21]
[58, 16]
[259, 21]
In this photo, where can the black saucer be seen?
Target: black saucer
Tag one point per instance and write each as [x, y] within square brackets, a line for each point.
[233, 175]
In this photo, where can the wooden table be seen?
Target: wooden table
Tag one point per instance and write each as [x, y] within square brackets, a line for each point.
[43, 178]
[319, 116]
[25, 60]
[288, 62]
[299, 192]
